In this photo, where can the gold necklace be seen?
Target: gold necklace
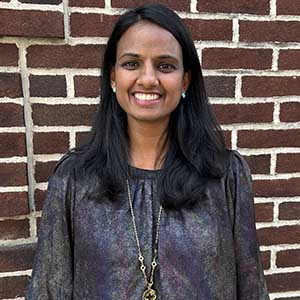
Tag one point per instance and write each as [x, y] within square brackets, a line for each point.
[149, 293]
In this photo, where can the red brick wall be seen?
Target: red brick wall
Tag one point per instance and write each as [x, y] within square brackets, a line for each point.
[50, 63]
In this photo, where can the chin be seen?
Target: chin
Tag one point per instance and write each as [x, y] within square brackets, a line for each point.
[151, 118]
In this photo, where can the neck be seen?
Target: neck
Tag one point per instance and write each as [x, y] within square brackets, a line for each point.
[147, 144]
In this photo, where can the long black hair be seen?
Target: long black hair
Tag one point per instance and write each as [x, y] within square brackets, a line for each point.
[196, 149]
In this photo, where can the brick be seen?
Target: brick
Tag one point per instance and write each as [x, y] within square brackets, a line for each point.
[31, 23]
[65, 56]
[13, 204]
[17, 258]
[63, 115]
[288, 258]
[288, 163]
[288, 7]
[234, 58]
[264, 212]
[289, 211]
[94, 25]
[13, 286]
[290, 112]
[13, 174]
[10, 85]
[82, 137]
[259, 164]
[14, 229]
[277, 187]
[283, 282]
[269, 31]
[219, 30]
[266, 258]
[12, 144]
[39, 197]
[220, 86]
[9, 55]
[183, 5]
[244, 113]
[87, 86]
[53, 2]
[11, 115]
[289, 60]
[260, 7]
[268, 138]
[87, 3]
[50, 142]
[48, 86]
[43, 170]
[270, 86]
[279, 235]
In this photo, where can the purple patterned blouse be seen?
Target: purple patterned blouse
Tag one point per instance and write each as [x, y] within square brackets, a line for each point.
[87, 249]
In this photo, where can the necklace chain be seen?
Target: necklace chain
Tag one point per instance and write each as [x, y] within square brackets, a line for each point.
[149, 282]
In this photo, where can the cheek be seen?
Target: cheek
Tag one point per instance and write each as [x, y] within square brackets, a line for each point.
[174, 91]
[175, 83]
[124, 79]
[121, 98]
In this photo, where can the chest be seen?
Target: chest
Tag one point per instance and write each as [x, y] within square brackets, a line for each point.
[104, 230]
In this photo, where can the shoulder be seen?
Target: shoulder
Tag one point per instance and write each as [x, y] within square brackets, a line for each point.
[67, 166]
[62, 182]
[237, 165]
[70, 175]
[238, 180]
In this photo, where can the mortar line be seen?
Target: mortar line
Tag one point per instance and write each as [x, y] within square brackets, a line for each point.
[66, 12]
[234, 139]
[273, 163]
[28, 125]
[235, 31]
[274, 296]
[193, 6]
[273, 9]
[238, 87]
[72, 139]
[70, 85]
[276, 212]
[276, 113]
[275, 58]
[273, 260]
[107, 4]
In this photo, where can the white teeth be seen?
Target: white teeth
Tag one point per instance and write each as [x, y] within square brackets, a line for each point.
[142, 96]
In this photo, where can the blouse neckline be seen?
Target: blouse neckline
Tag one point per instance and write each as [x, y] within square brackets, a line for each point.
[139, 173]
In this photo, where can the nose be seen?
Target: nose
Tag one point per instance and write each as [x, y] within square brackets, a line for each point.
[148, 76]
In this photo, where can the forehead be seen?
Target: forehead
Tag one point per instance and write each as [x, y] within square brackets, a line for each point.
[147, 38]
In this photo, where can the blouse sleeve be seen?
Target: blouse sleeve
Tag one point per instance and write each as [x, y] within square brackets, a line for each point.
[52, 269]
[251, 283]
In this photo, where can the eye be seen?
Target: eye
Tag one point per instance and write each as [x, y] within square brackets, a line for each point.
[166, 67]
[130, 65]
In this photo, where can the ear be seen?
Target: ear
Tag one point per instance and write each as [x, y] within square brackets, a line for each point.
[186, 80]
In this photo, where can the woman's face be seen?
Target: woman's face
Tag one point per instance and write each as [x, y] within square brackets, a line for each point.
[148, 74]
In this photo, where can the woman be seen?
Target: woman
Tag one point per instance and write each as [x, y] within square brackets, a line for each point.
[153, 206]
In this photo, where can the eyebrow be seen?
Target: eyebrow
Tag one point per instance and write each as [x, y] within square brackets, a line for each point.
[163, 56]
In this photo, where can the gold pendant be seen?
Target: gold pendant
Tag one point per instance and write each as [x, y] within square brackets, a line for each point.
[149, 294]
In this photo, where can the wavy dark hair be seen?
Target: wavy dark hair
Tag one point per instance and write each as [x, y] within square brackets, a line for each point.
[196, 151]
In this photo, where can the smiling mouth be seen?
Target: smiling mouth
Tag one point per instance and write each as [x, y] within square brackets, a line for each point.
[146, 97]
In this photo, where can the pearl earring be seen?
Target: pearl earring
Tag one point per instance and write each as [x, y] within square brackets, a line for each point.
[114, 89]
[183, 95]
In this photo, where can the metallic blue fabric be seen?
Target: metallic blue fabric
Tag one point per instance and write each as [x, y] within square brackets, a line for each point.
[87, 249]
